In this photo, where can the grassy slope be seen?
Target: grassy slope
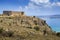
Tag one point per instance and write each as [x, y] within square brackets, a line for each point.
[21, 32]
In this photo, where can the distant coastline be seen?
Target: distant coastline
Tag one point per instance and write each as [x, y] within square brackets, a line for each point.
[49, 16]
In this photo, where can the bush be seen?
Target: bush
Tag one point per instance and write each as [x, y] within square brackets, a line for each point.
[29, 27]
[7, 33]
[1, 30]
[10, 33]
[22, 21]
[36, 28]
[35, 22]
[58, 34]
[34, 16]
[1, 20]
[44, 32]
[10, 17]
[9, 24]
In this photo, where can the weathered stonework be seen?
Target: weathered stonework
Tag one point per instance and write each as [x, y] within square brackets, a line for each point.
[13, 13]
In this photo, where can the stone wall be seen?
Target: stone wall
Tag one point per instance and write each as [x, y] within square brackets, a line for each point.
[17, 13]
[7, 13]
[13, 13]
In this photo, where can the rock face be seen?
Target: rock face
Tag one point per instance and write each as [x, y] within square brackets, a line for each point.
[26, 28]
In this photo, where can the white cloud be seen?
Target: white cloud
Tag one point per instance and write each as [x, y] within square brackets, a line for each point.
[35, 6]
[55, 4]
[58, 3]
[40, 1]
[30, 8]
[21, 8]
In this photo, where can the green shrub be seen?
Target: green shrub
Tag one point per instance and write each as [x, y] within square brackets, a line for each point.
[1, 30]
[1, 20]
[35, 22]
[9, 24]
[10, 33]
[34, 16]
[10, 17]
[58, 34]
[29, 27]
[36, 28]
[7, 33]
[22, 21]
[44, 32]
[53, 32]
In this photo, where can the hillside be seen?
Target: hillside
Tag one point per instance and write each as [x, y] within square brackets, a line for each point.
[25, 28]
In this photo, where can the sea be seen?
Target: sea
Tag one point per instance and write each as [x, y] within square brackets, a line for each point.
[52, 21]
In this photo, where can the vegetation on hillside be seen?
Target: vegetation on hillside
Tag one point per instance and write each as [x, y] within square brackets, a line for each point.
[25, 28]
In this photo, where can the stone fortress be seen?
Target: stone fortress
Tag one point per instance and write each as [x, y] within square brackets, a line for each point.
[12, 13]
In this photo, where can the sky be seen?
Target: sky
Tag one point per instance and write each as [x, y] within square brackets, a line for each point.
[32, 7]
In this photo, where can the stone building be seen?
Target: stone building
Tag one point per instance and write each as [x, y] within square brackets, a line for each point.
[13, 13]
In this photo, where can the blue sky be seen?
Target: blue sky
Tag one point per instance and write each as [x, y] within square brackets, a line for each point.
[32, 7]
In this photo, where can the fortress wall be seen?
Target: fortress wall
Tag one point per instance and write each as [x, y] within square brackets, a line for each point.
[17, 13]
[8, 13]
[13, 13]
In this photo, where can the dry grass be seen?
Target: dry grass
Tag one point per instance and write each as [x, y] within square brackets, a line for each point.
[23, 28]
